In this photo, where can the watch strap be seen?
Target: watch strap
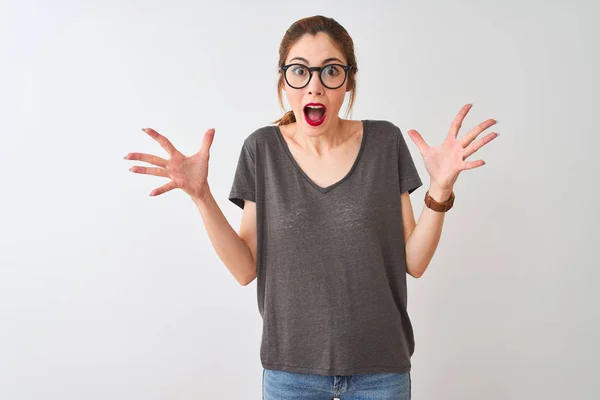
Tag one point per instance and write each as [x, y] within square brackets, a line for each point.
[439, 206]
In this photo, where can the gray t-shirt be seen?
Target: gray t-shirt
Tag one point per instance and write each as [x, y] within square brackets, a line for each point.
[331, 262]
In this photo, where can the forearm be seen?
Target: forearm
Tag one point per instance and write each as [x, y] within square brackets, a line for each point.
[230, 248]
[424, 239]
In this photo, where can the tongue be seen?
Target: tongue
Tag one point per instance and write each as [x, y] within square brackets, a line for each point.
[315, 114]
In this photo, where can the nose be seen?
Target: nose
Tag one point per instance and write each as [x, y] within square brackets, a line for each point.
[315, 85]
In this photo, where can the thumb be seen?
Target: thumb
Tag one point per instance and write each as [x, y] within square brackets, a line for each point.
[418, 140]
[207, 140]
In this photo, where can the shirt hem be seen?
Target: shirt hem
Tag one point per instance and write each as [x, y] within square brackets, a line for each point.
[242, 195]
[411, 186]
[338, 371]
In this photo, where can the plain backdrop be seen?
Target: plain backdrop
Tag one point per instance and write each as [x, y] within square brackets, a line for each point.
[108, 293]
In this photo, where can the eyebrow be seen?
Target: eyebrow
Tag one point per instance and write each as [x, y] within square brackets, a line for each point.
[324, 61]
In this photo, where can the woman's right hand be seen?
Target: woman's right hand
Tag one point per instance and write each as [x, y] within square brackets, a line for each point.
[189, 174]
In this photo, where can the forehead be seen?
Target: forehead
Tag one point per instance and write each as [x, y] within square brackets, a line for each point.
[315, 49]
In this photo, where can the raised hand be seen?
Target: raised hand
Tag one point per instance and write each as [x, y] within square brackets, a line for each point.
[189, 174]
[446, 161]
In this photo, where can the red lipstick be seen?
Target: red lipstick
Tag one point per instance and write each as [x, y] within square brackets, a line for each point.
[315, 122]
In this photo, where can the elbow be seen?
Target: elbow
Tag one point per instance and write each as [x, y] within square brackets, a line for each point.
[414, 267]
[415, 273]
[416, 276]
[246, 282]
[249, 273]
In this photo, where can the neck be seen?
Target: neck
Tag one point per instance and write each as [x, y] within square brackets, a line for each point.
[324, 141]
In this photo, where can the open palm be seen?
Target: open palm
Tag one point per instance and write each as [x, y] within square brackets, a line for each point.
[187, 173]
[445, 162]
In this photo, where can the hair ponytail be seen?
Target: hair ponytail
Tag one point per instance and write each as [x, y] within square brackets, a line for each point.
[288, 118]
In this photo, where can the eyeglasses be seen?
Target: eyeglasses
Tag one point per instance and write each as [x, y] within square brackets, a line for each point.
[332, 76]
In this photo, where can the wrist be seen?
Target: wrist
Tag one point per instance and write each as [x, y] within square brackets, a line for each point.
[439, 194]
[203, 196]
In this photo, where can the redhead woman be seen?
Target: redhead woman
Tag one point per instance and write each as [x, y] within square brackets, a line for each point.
[327, 229]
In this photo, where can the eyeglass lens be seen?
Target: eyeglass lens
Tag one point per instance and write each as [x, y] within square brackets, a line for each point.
[332, 76]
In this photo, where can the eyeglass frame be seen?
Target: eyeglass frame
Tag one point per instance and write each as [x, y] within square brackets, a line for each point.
[346, 68]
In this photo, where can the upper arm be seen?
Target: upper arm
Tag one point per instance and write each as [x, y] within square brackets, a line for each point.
[247, 230]
[408, 217]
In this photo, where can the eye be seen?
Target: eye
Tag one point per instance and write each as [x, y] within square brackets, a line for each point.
[332, 70]
[299, 70]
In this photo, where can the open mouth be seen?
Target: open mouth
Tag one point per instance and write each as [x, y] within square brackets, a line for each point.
[315, 114]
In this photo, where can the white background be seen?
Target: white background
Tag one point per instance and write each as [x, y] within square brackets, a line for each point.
[107, 293]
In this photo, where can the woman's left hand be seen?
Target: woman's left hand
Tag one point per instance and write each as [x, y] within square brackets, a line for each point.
[447, 160]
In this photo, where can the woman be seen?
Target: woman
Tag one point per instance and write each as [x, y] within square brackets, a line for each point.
[327, 226]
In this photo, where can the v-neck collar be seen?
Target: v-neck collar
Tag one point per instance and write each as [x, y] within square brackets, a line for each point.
[333, 185]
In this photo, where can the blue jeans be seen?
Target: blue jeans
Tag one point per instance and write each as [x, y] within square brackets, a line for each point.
[284, 385]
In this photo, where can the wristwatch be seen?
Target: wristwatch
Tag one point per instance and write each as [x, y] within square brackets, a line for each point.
[439, 206]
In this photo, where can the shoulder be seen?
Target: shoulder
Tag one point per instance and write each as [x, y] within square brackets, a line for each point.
[383, 126]
[384, 131]
[260, 140]
[261, 134]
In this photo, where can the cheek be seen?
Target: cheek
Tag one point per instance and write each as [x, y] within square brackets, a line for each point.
[337, 99]
[294, 98]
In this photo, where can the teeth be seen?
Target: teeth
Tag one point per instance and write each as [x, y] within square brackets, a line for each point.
[315, 107]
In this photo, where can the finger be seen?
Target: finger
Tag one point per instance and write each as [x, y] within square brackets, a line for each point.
[473, 164]
[457, 121]
[207, 140]
[163, 141]
[163, 189]
[418, 140]
[149, 158]
[476, 145]
[149, 171]
[473, 133]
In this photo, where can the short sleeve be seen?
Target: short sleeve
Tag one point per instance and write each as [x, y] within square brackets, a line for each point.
[409, 176]
[243, 187]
